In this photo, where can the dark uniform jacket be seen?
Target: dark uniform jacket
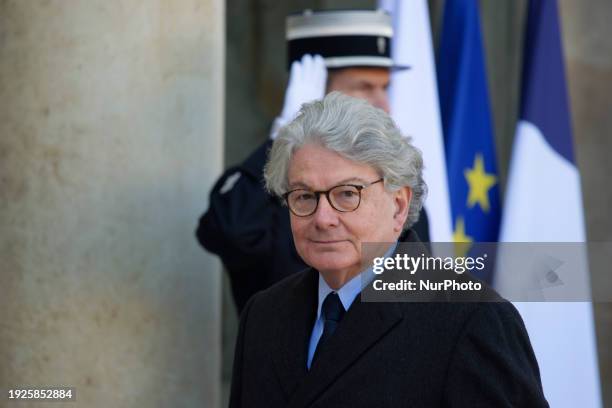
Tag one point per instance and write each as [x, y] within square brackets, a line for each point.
[427, 354]
[249, 229]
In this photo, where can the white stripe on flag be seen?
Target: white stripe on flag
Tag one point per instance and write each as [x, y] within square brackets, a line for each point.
[543, 193]
[544, 204]
[415, 107]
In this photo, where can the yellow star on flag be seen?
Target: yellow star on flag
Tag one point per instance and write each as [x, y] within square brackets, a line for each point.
[480, 182]
[462, 241]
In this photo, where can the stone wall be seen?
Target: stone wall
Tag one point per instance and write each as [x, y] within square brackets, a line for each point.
[111, 135]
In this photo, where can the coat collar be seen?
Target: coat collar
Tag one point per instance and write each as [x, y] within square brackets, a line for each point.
[363, 325]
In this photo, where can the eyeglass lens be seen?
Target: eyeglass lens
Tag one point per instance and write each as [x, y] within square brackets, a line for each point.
[343, 198]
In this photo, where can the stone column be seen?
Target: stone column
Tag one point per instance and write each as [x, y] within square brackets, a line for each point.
[111, 117]
[588, 53]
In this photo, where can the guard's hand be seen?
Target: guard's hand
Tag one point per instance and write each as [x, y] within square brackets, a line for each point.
[307, 82]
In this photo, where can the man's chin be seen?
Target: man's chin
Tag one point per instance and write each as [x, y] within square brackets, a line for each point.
[332, 262]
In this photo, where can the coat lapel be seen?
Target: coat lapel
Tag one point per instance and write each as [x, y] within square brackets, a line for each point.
[297, 315]
[363, 325]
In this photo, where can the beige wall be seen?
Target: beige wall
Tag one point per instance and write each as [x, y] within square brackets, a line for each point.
[111, 117]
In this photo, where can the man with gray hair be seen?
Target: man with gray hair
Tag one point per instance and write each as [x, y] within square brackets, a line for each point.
[350, 178]
[335, 50]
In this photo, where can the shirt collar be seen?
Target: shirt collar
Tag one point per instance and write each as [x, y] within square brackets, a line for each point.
[351, 289]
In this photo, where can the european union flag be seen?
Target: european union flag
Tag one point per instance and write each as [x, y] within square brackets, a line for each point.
[468, 134]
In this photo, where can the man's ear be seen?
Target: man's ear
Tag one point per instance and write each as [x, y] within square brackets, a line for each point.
[402, 198]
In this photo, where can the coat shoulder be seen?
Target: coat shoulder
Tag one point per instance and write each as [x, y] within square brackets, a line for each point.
[296, 288]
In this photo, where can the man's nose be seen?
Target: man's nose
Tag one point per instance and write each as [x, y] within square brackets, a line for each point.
[380, 99]
[325, 215]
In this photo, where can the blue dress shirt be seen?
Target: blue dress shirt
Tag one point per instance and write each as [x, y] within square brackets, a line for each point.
[347, 295]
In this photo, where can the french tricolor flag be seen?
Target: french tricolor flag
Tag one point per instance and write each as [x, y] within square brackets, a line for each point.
[544, 204]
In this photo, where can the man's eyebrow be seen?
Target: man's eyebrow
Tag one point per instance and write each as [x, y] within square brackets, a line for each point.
[298, 184]
[350, 180]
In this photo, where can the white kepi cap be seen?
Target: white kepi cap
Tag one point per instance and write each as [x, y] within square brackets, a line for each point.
[344, 38]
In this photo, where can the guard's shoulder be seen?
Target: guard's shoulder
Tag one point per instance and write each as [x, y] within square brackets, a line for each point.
[254, 164]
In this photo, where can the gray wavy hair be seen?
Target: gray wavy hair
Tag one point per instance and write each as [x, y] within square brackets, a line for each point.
[357, 131]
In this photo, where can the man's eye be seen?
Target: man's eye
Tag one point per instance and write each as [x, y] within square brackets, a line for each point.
[305, 196]
[348, 194]
[365, 87]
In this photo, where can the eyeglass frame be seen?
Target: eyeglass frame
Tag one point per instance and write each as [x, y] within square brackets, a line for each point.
[326, 192]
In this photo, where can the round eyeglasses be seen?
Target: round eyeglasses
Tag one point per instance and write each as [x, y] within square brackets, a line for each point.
[342, 198]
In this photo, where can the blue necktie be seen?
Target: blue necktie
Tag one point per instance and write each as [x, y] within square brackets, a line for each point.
[332, 312]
